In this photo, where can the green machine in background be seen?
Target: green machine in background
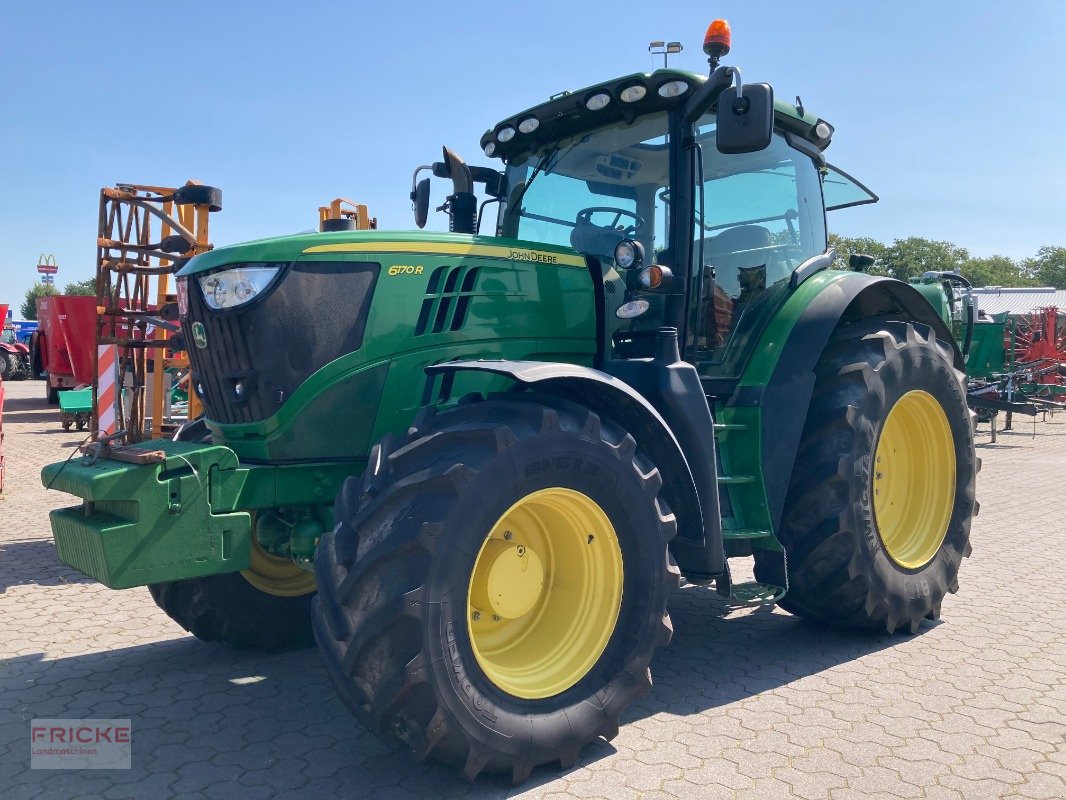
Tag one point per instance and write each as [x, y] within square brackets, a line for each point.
[982, 341]
[475, 464]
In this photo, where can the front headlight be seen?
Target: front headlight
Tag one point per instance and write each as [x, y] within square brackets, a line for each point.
[235, 287]
[628, 254]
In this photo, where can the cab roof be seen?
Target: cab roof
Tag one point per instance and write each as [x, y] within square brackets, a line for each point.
[566, 113]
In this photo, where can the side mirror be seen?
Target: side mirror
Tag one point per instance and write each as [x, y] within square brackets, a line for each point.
[860, 262]
[745, 124]
[420, 196]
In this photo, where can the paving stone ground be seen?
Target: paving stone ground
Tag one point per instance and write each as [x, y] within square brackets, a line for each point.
[748, 703]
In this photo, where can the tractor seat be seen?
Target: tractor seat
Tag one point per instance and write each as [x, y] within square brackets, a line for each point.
[735, 265]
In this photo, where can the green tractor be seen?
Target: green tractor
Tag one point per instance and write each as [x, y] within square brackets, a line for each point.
[475, 466]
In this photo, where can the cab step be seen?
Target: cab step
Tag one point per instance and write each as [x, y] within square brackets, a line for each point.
[753, 593]
[723, 427]
[730, 480]
[745, 533]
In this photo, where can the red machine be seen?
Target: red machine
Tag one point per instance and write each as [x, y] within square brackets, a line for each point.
[14, 356]
[1, 433]
[3, 317]
[1041, 337]
[66, 336]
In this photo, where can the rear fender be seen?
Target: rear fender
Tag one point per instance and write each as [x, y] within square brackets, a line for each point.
[841, 299]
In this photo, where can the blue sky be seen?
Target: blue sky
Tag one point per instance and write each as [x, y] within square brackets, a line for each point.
[949, 110]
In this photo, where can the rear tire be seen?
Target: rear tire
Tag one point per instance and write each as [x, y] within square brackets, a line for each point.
[395, 617]
[8, 365]
[840, 569]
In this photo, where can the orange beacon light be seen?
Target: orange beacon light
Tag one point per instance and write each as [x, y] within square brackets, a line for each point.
[717, 40]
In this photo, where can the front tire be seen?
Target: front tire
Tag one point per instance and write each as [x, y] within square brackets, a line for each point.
[265, 607]
[230, 610]
[877, 517]
[471, 661]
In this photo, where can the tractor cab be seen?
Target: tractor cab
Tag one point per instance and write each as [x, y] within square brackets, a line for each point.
[698, 202]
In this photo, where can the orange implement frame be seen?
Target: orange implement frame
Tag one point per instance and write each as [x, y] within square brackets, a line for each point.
[357, 216]
[146, 234]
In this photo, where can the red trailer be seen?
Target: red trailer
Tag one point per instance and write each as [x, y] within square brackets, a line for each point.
[3, 318]
[66, 337]
[1, 432]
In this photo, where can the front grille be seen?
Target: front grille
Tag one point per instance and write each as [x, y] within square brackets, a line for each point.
[217, 366]
[314, 313]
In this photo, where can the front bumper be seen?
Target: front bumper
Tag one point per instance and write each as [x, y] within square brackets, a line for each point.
[141, 524]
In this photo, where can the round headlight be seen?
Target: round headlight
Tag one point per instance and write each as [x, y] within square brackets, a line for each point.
[505, 134]
[490, 149]
[244, 290]
[673, 89]
[597, 101]
[822, 130]
[628, 254]
[217, 287]
[632, 94]
[529, 125]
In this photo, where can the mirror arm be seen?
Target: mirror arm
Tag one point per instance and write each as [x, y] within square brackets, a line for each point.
[707, 95]
[414, 179]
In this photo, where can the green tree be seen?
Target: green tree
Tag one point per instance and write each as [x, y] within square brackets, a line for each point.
[1049, 267]
[85, 287]
[913, 256]
[29, 305]
[995, 271]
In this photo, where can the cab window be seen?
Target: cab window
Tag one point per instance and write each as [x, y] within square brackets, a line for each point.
[761, 218]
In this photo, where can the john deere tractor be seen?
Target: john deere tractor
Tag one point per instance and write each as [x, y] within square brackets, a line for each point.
[474, 465]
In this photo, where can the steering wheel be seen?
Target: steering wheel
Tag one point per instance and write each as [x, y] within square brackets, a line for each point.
[584, 217]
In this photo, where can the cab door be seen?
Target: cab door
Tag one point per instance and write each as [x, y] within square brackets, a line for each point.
[762, 217]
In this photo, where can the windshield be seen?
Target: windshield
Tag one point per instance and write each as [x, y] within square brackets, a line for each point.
[590, 191]
[8, 336]
[593, 190]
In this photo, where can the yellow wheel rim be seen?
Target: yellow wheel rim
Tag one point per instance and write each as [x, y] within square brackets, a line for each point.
[545, 593]
[914, 479]
[277, 576]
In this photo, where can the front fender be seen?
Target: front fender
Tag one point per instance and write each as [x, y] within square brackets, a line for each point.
[614, 398]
